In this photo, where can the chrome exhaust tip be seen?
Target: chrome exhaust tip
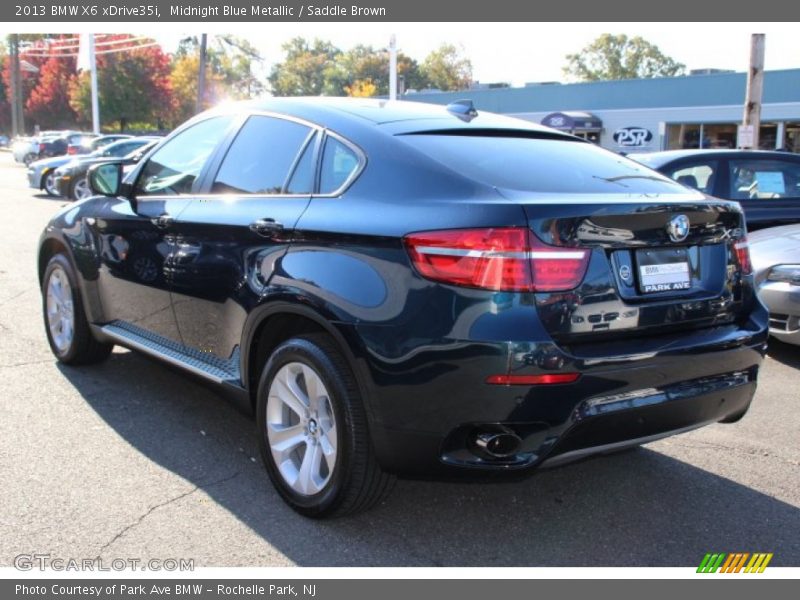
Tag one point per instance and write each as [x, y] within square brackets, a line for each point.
[497, 444]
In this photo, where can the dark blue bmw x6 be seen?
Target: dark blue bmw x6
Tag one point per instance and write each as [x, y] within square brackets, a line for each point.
[405, 289]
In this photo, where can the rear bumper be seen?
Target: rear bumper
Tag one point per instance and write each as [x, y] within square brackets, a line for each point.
[424, 417]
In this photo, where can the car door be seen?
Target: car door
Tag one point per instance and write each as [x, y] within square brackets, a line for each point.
[768, 188]
[229, 239]
[136, 241]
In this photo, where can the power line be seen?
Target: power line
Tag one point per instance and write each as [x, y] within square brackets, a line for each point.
[29, 54]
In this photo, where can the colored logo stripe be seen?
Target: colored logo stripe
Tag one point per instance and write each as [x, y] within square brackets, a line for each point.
[734, 562]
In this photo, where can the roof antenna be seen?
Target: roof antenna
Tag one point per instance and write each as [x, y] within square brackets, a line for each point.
[463, 109]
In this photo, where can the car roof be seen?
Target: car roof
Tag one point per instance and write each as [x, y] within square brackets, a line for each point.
[657, 159]
[391, 116]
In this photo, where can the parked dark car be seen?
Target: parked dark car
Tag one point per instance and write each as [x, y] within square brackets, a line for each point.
[91, 142]
[70, 179]
[408, 289]
[766, 183]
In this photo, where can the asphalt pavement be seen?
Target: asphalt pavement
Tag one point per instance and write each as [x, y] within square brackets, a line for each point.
[131, 459]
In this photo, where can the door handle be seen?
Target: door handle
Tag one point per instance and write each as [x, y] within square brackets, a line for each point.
[265, 227]
[162, 221]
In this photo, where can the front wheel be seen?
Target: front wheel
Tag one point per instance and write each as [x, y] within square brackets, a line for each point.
[80, 189]
[65, 322]
[49, 183]
[313, 432]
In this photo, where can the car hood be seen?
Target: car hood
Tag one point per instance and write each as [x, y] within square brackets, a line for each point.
[50, 163]
[774, 246]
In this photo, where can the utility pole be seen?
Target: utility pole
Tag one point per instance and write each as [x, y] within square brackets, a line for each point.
[751, 122]
[16, 96]
[201, 76]
[392, 68]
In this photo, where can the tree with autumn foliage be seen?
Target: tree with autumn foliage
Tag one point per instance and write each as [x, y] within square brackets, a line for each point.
[48, 104]
[133, 87]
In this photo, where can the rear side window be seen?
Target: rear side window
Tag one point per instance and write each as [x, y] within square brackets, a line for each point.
[541, 165]
[700, 176]
[259, 160]
[758, 179]
[339, 163]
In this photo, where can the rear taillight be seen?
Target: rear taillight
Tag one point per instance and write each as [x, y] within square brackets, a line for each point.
[742, 250]
[41, 147]
[72, 150]
[501, 258]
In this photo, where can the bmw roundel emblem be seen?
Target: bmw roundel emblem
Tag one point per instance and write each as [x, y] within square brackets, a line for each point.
[625, 274]
[678, 228]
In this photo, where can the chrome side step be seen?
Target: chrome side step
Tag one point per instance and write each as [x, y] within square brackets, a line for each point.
[203, 364]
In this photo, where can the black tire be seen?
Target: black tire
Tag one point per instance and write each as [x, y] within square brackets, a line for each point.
[83, 349]
[357, 482]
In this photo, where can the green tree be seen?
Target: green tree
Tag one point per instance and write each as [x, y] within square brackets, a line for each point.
[353, 69]
[305, 68]
[620, 57]
[446, 69]
[133, 87]
[232, 62]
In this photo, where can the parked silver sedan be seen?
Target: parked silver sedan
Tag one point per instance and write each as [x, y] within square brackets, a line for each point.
[775, 253]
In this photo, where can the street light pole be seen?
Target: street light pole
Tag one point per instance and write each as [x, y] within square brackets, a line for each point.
[201, 76]
[93, 78]
[392, 68]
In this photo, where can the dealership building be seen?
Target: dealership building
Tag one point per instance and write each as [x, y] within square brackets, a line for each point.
[701, 110]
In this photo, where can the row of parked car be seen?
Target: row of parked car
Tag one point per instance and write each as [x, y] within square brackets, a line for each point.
[767, 185]
[63, 173]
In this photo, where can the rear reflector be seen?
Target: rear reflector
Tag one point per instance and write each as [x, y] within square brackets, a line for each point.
[501, 258]
[742, 249]
[545, 379]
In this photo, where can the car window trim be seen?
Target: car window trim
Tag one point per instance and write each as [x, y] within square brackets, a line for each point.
[313, 137]
[360, 156]
[205, 193]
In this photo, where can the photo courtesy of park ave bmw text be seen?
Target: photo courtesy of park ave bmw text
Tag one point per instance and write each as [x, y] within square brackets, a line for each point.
[379, 298]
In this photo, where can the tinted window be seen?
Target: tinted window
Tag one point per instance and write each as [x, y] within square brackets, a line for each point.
[758, 179]
[541, 165]
[338, 163]
[260, 157]
[175, 166]
[302, 181]
[700, 176]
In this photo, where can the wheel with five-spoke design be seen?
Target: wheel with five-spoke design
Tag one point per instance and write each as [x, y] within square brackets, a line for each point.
[67, 328]
[313, 431]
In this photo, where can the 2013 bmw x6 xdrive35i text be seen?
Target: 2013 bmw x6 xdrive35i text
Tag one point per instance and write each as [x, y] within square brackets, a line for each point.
[407, 289]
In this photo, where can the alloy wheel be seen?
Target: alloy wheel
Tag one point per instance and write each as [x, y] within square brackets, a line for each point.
[50, 184]
[60, 310]
[82, 189]
[301, 428]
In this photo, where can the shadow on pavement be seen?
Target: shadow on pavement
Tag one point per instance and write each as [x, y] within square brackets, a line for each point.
[636, 508]
[788, 354]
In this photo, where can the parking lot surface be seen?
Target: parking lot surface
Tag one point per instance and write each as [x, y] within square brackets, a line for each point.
[131, 459]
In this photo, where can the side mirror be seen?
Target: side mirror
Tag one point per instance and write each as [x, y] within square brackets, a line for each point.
[105, 179]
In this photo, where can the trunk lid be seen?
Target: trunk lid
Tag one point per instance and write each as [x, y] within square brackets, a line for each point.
[656, 264]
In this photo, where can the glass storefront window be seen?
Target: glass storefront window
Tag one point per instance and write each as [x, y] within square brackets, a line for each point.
[720, 136]
[683, 136]
[791, 137]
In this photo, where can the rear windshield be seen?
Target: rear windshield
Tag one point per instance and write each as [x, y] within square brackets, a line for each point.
[541, 165]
